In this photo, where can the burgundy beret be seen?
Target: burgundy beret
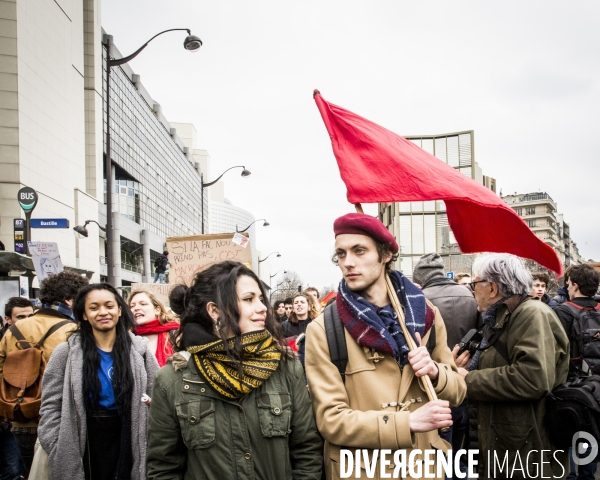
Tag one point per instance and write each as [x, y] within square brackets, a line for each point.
[361, 224]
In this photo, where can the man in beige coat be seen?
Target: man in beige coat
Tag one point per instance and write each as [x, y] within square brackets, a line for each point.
[57, 294]
[380, 403]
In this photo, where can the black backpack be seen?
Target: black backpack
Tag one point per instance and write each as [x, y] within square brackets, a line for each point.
[160, 262]
[573, 407]
[336, 339]
[585, 338]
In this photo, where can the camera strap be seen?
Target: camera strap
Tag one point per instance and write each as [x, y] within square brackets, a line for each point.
[494, 337]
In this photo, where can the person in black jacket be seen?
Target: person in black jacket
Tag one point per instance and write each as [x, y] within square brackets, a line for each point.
[297, 323]
[459, 312]
[581, 282]
[161, 264]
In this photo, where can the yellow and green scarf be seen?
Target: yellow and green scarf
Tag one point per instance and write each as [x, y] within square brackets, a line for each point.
[262, 355]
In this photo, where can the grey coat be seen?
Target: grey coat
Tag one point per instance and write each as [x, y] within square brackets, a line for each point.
[62, 430]
[457, 307]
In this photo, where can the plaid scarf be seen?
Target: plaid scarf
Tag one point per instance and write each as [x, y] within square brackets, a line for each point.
[61, 308]
[378, 328]
[261, 357]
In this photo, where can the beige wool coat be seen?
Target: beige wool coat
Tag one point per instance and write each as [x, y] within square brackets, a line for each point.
[371, 409]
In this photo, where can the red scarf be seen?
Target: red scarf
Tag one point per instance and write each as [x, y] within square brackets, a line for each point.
[164, 349]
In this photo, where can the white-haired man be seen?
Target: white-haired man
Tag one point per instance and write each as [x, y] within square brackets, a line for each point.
[523, 356]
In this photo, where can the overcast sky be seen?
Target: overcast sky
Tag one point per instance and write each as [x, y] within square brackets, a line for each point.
[523, 75]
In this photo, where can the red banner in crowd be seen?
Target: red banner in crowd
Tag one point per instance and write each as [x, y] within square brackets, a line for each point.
[378, 165]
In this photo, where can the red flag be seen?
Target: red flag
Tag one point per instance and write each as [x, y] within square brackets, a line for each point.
[379, 166]
[329, 296]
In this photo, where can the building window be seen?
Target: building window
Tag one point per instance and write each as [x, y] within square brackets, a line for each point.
[530, 223]
[519, 211]
[530, 211]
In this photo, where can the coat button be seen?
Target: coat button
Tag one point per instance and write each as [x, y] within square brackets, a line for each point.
[248, 456]
[277, 410]
[193, 419]
[202, 390]
[186, 387]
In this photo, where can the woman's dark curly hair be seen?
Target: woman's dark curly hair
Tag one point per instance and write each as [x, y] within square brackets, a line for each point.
[61, 287]
[122, 379]
[218, 284]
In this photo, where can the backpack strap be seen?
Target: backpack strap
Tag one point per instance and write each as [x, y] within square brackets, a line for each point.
[336, 339]
[579, 307]
[21, 340]
[53, 329]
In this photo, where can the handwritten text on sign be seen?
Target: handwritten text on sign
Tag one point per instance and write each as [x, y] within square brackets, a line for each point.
[187, 255]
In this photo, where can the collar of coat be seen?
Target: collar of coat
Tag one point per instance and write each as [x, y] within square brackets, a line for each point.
[511, 304]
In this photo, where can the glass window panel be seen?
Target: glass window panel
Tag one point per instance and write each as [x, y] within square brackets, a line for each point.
[440, 149]
[417, 207]
[406, 265]
[452, 151]
[429, 206]
[427, 145]
[404, 207]
[429, 234]
[405, 229]
[417, 234]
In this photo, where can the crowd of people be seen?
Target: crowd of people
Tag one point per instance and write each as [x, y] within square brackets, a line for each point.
[220, 384]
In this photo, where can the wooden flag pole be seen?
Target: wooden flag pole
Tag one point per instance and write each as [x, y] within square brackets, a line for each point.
[429, 390]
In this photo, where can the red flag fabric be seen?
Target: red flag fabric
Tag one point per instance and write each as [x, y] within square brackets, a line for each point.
[378, 165]
[329, 296]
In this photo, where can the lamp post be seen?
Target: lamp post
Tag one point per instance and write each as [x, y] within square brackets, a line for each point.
[266, 224]
[192, 44]
[82, 230]
[273, 253]
[244, 173]
[274, 275]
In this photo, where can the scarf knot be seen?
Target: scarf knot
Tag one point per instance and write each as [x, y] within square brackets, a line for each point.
[261, 357]
[378, 328]
[164, 347]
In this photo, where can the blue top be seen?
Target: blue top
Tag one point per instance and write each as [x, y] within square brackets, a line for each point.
[105, 373]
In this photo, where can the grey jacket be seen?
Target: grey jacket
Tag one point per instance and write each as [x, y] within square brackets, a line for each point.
[457, 307]
[62, 430]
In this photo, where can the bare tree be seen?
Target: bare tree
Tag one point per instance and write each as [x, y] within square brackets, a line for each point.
[291, 284]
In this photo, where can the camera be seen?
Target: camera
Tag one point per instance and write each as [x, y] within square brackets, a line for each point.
[470, 342]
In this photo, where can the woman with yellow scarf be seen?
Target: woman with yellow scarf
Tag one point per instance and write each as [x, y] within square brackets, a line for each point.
[232, 402]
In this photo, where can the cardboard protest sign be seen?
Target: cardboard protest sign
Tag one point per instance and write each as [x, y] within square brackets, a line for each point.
[159, 290]
[46, 259]
[187, 255]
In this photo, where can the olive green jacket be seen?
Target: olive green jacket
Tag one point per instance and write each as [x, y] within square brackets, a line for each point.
[194, 433]
[510, 396]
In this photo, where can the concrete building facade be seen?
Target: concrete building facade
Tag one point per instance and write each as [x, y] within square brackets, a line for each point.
[50, 119]
[52, 138]
[539, 211]
[422, 227]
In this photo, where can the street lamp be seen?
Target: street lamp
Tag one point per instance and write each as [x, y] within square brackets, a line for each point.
[244, 173]
[274, 275]
[266, 224]
[273, 253]
[82, 230]
[191, 44]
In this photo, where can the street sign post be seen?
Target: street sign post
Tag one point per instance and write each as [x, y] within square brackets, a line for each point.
[49, 223]
[28, 199]
[19, 234]
[450, 275]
